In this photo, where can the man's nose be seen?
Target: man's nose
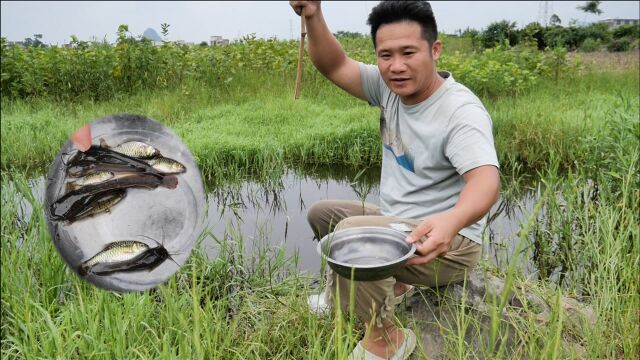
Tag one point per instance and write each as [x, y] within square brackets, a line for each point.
[397, 65]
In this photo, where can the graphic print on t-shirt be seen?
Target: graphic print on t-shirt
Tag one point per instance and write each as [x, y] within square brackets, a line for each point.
[392, 141]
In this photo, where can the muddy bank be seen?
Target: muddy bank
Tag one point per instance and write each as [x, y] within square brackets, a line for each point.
[468, 308]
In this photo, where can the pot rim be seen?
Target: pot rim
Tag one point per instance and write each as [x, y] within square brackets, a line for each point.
[381, 266]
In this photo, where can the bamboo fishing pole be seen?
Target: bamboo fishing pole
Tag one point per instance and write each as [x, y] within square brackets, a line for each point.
[303, 32]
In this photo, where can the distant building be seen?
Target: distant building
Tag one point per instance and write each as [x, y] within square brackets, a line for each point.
[218, 40]
[16, 43]
[614, 23]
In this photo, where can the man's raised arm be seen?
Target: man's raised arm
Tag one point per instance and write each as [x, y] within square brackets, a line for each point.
[326, 52]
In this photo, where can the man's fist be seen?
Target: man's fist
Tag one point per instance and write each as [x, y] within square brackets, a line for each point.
[306, 8]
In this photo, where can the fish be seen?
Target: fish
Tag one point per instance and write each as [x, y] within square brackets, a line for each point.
[147, 261]
[97, 159]
[114, 253]
[166, 165]
[136, 149]
[102, 203]
[94, 178]
[77, 201]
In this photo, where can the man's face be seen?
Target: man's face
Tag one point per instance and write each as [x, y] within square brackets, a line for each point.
[406, 61]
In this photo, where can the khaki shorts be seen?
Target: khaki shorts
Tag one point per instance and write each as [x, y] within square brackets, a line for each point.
[376, 299]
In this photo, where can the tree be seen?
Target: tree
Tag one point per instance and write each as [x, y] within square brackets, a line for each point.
[591, 7]
[474, 36]
[34, 42]
[164, 31]
[555, 20]
[499, 31]
[534, 33]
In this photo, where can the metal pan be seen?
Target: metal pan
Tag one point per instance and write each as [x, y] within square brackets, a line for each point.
[371, 253]
[172, 218]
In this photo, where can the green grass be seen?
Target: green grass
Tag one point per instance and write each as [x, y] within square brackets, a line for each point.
[571, 135]
[234, 130]
[235, 307]
[211, 309]
[262, 128]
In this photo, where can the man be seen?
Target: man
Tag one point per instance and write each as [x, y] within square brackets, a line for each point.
[439, 168]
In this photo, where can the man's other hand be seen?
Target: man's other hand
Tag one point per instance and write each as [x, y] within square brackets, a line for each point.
[82, 138]
[308, 8]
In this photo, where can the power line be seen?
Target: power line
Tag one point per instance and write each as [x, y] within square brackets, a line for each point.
[543, 12]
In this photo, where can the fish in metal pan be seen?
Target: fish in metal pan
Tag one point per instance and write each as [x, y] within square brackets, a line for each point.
[101, 203]
[91, 179]
[136, 149]
[74, 202]
[147, 261]
[115, 253]
[86, 205]
[167, 166]
[100, 159]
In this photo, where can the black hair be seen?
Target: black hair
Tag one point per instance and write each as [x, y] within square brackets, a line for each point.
[390, 11]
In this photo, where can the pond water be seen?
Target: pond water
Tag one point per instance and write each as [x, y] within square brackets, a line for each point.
[274, 217]
[277, 217]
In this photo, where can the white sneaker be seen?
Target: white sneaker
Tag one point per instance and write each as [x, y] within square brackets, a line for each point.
[318, 304]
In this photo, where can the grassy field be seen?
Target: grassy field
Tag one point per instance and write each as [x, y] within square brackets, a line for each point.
[325, 127]
[576, 138]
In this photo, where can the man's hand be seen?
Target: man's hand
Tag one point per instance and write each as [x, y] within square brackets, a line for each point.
[308, 8]
[480, 192]
[439, 231]
[82, 138]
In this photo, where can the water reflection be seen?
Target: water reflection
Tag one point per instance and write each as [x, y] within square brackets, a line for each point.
[277, 215]
[273, 216]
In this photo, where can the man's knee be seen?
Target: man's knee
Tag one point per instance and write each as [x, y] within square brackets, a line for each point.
[319, 217]
[358, 221]
[315, 212]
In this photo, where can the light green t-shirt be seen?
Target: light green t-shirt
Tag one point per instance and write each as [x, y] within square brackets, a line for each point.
[428, 146]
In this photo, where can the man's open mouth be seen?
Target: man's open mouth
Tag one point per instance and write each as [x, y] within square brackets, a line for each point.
[399, 81]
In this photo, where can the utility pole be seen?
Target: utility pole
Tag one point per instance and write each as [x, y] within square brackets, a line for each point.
[543, 12]
[290, 29]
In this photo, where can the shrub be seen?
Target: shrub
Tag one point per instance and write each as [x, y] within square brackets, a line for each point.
[534, 33]
[573, 37]
[505, 70]
[622, 44]
[102, 71]
[590, 45]
[626, 31]
[497, 32]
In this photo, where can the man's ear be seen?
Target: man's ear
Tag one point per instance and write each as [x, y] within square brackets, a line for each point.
[435, 49]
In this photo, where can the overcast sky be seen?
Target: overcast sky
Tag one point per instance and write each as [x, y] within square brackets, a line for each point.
[197, 21]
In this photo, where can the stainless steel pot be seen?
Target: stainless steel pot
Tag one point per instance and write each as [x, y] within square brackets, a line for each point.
[371, 253]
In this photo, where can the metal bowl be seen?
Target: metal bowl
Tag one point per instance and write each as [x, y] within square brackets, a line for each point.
[173, 218]
[372, 253]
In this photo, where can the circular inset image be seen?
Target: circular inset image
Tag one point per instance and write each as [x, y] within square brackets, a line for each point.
[126, 213]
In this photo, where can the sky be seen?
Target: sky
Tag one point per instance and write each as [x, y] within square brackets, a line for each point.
[193, 21]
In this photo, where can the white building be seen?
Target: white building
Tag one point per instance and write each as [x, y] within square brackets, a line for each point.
[613, 23]
[218, 40]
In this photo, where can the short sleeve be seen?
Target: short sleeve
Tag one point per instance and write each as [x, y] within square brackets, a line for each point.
[470, 139]
[371, 83]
